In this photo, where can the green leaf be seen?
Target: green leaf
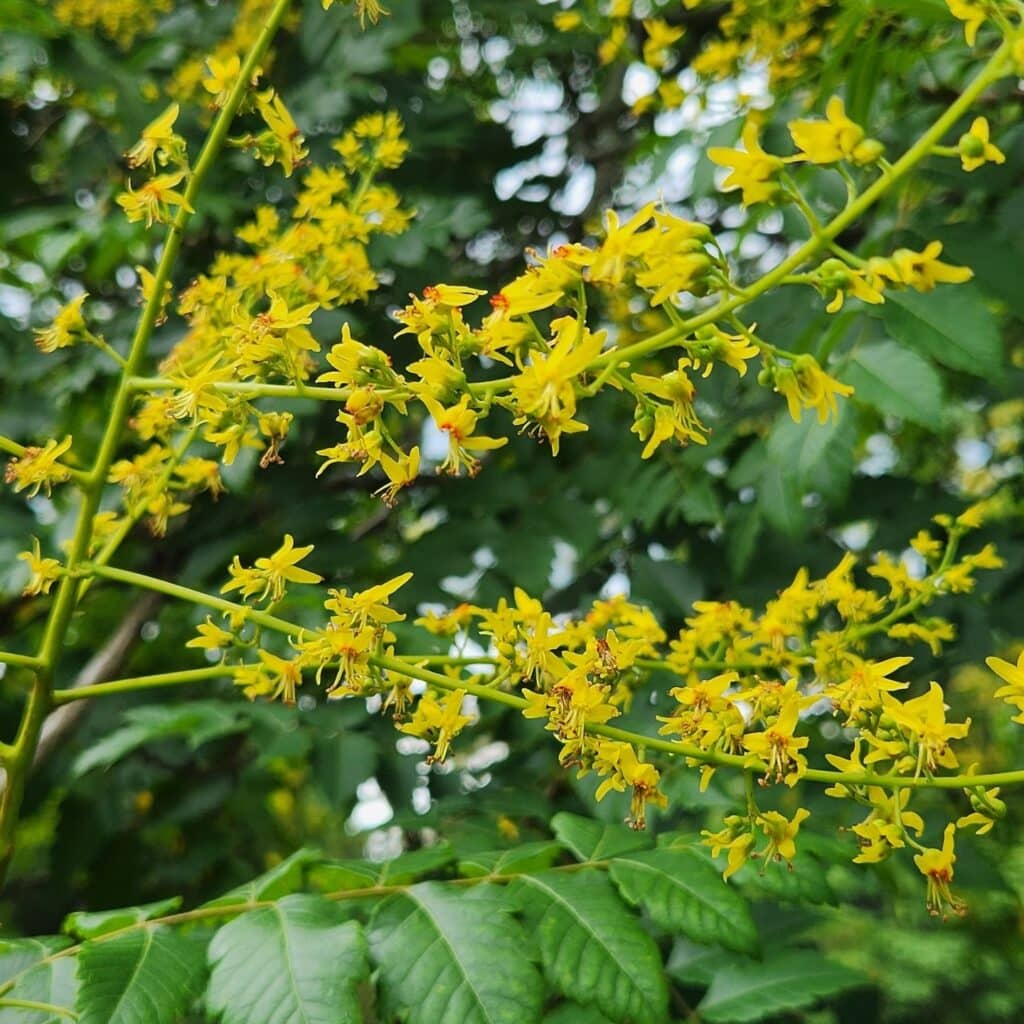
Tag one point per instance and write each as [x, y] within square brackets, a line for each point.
[55, 983]
[88, 924]
[281, 880]
[197, 722]
[592, 948]
[519, 860]
[451, 957]
[296, 962]
[758, 991]
[683, 893]
[151, 975]
[815, 456]
[780, 500]
[573, 1013]
[803, 882]
[897, 382]
[587, 839]
[17, 955]
[951, 325]
[334, 875]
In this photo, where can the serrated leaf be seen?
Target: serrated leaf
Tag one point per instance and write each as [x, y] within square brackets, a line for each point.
[451, 957]
[151, 975]
[296, 962]
[751, 992]
[84, 924]
[592, 948]
[336, 875]
[17, 955]
[518, 860]
[803, 880]
[684, 894]
[407, 867]
[281, 880]
[587, 839]
[898, 382]
[54, 983]
[950, 325]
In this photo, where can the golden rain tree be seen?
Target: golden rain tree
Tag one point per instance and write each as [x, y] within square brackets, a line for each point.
[538, 485]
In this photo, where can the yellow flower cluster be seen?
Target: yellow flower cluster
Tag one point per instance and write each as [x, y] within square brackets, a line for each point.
[357, 628]
[785, 38]
[121, 20]
[750, 683]
[160, 196]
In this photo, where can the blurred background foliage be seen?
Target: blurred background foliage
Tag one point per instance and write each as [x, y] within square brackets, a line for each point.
[519, 137]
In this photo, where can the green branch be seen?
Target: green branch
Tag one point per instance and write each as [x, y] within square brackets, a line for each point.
[412, 667]
[19, 660]
[40, 697]
[135, 683]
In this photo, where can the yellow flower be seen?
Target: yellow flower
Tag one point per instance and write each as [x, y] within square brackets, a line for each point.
[975, 149]
[1013, 675]
[39, 468]
[754, 171]
[451, 295]
[221, 76]
[346, 649]
[833, 139]
[971, 13]
[712, 345]
[987, 810]
[777, 748]
[67, 328]
[438, 721]
[154, 200]
[158, 142]
[835, 278]
[282, 141]
[805, 385]
[919, 270]
[367, 605]
[401, 471]
[862, 689]
[284, 676]
[924, 718]
[566, 21]
[781, 833]
[660, 37]
[544, 393]
[679, 418]
[736, 837]
[44, 571]
[458, 422]
[937, 867]
[269, 575]
[620, 243]
[211, 637]
[611, 47]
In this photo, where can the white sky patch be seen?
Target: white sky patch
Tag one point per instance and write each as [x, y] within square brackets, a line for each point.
[563, 564]
[372, 809]
[881, 455]
[972, 453]
[616, 585]
[856, 536]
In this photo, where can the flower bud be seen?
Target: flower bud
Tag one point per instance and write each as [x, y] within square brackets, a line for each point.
[868, 152]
